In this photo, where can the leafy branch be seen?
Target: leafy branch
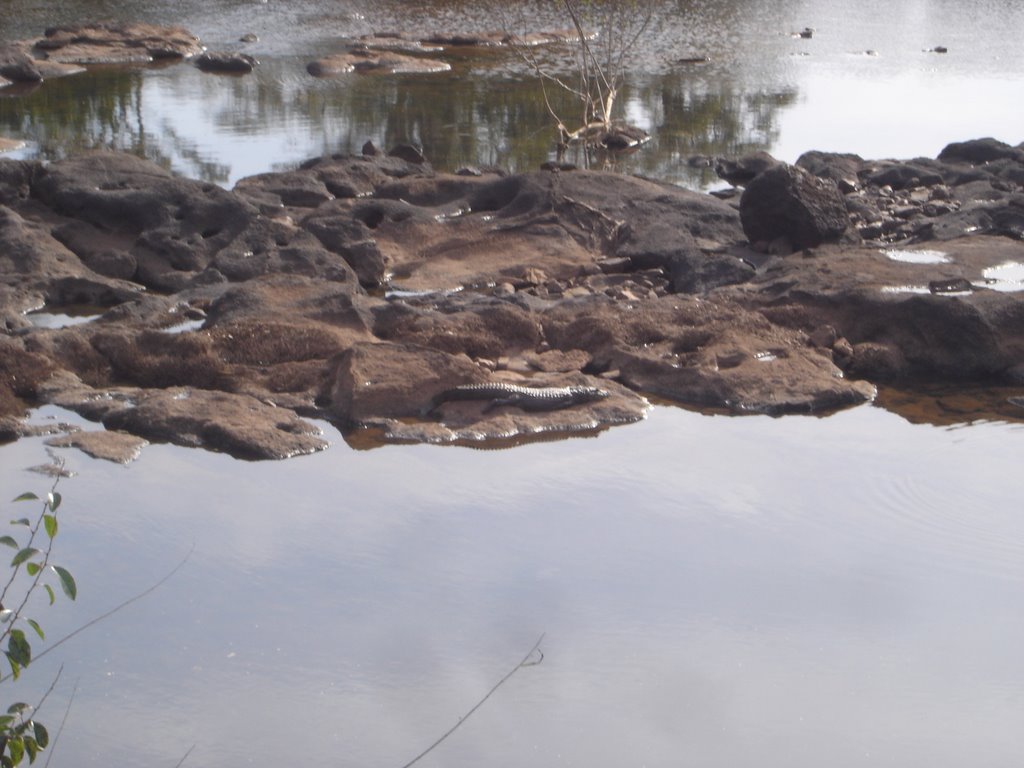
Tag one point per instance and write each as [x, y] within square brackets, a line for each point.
[20, 734]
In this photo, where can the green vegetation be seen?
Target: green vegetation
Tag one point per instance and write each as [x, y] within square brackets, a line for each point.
[31, 569]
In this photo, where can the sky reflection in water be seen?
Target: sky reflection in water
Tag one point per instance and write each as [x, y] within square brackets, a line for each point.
[789, 590]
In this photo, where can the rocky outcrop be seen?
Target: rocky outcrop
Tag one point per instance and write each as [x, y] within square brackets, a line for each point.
[116, 43]
[358, 289]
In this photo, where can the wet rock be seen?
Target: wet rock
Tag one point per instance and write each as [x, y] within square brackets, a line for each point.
[118, 447]
[397, 41]
[16, 66]
[787, 202]
[370, 60]
[239, 425]
[228, 62]
[117, 43]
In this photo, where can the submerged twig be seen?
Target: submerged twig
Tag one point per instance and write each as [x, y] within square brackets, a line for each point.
[524, 663]
[60, 729]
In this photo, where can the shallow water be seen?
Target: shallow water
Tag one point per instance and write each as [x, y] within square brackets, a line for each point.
[713, 591]
[794, 590]
[864, 83]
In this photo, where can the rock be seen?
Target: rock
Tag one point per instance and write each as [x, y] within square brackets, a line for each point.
[905, 175]
[117, 43]
[976, 152]
[239, 425]
[229, 62]
[368, 60]
[17, 66]
[787, 201]
[369, 382]
[741, 171]
[119, 447]
[356, 287]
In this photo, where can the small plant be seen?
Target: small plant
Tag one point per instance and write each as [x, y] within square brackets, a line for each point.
[31, 568]
[605, 35]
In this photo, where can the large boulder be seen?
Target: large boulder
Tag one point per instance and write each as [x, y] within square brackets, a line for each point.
[786, 203]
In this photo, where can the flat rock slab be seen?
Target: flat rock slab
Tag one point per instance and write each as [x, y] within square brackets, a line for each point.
[117, 43]
[119, 447]
[371, 60]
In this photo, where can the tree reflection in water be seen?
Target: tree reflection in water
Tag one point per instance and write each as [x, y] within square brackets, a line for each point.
[205, 126]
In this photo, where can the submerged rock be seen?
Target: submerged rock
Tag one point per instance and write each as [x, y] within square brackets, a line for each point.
[368, 60]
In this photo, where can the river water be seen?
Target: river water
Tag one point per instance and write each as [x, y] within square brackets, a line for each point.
[711, 591]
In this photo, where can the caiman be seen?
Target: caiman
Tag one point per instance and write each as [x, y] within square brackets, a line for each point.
[525, 398]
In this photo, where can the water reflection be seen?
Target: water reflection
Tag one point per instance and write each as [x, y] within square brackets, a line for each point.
[845, 601]
[219, 129]
[760, 89]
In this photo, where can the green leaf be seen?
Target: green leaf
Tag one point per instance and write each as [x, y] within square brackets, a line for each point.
[27, 497]
[33, 568]
[6, 720]
[53, 501]
[67, 581]
[35, 625]
[19, 648]
[5, 761]
[32, 748]
[50, 521]
[16, 749]
[22, 521]
[42, 735]
[17, 708]
[10, 542]
[49, 591]
[15, 666]
[23, 555]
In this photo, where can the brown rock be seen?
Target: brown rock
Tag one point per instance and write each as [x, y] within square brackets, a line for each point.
[117, 43]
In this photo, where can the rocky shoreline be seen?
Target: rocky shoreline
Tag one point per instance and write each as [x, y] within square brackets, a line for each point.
[358, 288]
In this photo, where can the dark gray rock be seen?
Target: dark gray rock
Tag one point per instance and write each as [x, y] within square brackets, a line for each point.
[228, 62]
[980, 151]
[17, 66]
[788, 202]
[742, 170]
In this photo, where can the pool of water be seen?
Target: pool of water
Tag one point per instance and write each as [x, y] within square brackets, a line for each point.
[712, 591]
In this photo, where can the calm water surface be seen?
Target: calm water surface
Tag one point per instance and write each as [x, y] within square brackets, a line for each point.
[864, 83]
[714, 591]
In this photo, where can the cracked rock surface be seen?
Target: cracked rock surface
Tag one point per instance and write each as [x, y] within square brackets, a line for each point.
[358, 289]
